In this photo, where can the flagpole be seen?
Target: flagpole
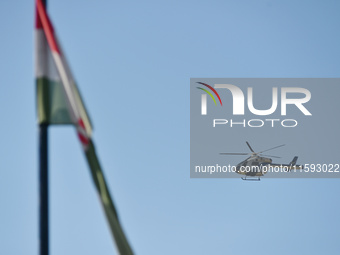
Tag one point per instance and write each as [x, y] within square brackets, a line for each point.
[43, 186]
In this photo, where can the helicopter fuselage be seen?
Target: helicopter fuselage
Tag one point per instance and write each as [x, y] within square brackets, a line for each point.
[252, 166]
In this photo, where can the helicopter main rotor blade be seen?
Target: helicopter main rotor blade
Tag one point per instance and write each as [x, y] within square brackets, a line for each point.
[227, 153]
[250, 147]
[270, 156]
[272, 148]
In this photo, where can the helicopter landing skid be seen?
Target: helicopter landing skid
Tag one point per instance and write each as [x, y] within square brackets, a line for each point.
[251, 179]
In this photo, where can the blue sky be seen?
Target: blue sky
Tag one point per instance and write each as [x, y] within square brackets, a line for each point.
[131, 59]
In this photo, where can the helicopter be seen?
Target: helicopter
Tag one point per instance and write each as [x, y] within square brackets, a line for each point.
[258, 164]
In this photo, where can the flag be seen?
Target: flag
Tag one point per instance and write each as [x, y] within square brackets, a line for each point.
[59, 102]
[51, 101]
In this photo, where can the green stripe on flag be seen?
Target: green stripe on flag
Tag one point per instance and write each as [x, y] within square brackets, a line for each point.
[52, 105]
[43, 100]
[105, 198]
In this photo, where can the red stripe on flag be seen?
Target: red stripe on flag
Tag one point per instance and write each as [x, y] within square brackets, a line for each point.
[83, 139]
[81, 123]
[47, 26]
[38, 24]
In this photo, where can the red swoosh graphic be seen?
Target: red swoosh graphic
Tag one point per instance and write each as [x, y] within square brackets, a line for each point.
[212, 90]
